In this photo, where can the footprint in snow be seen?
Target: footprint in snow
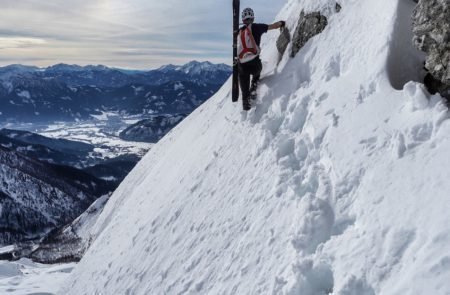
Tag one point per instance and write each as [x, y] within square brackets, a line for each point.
[315, 225]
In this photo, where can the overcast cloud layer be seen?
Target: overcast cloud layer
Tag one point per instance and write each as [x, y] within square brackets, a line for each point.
[132, 34]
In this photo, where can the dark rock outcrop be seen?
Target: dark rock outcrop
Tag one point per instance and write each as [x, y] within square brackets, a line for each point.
[308, 26]
[435, 86]
[431, 27]
[283, 41]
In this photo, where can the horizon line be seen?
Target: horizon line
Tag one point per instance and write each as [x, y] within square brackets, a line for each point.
[109, 66]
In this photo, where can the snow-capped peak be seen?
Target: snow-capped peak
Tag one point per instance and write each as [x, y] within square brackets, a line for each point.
[18, 68]
[77, 68]
[14, 70]
[168, 67]
[64, 68]
[195, 67]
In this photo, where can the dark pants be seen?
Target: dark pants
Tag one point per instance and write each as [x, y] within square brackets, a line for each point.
[254, 69]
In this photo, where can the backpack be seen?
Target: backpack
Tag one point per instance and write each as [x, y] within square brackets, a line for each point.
[247, 47]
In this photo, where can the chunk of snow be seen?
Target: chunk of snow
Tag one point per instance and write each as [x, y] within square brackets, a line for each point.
[177, 86]
[24, 94]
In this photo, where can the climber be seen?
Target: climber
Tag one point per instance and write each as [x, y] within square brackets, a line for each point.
[248, 50]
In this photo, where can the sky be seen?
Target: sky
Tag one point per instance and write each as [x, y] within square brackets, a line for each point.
[135, 34]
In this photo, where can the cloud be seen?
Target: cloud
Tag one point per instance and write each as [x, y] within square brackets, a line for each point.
[20, 42]
[133, 33]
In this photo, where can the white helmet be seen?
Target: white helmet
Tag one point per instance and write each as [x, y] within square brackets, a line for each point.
[247, 14]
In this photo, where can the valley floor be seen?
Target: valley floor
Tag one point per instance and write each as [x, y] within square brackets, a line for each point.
[102, 132]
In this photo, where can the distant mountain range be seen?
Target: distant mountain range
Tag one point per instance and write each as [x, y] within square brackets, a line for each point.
[70, 92]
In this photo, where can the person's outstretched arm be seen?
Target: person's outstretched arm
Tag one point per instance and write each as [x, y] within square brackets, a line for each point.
[277, 25]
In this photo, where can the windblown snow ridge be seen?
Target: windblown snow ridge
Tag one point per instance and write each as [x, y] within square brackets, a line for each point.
[335, 182]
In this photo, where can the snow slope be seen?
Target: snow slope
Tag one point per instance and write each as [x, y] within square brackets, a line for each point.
[26, 277]
[336, 182]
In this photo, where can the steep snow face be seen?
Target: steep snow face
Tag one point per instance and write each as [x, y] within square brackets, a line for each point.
[336, 182]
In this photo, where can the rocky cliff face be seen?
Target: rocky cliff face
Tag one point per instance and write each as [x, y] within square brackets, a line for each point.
[308, 26]
[432, 35]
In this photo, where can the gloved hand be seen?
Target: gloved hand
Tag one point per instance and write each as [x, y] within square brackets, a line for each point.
[282, 24]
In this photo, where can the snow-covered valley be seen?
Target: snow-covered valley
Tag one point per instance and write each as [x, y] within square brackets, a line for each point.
[102, 133]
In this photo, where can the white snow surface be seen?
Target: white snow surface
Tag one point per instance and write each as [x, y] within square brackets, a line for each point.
[26, 277]
[336, 182]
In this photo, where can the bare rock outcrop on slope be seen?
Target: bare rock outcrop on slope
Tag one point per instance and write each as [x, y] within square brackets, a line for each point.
[283, 41]
[431, 21]
[309, 25]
